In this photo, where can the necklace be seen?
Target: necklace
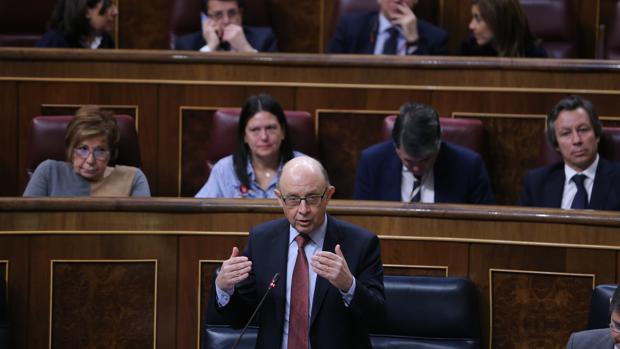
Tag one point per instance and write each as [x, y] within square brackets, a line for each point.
[267, 174]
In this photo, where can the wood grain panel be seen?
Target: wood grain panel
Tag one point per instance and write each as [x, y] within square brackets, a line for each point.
[202, 255]
[44, 249]
[144, 24]
[297, 24]
[195, 130]
[109, 303]
[521, 300]
[14, 253]
[172, 98]
[34, 95]
[511, 144]
[341, 141]
[9, 140]
[483, 258]
[422, 253]
[71, 109]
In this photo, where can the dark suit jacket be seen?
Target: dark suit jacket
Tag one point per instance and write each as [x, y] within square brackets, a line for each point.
[332, 324]
[591, 339]
[460, 175]
[261, 38]
[357, 32]
[54, 38]
[544, 186]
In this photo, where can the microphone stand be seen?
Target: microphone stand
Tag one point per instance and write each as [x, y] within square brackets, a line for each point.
[272, 284]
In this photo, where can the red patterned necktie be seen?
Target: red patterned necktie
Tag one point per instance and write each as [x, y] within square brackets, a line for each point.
[298, 316]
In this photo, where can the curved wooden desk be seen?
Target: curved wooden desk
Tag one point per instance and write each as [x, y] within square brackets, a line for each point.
[135, 272]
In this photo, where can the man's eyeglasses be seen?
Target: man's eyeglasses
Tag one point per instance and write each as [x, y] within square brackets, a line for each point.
[99, 154]
[311, 200]
[217, 15]
[614, 327]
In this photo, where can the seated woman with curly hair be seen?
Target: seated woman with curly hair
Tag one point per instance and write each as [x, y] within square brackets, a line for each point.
[91, 142]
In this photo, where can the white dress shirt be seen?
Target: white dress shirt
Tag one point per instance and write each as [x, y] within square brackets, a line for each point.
[570, 188]
[427, 193]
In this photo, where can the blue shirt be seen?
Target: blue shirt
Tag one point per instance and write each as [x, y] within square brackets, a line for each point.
[224, 183]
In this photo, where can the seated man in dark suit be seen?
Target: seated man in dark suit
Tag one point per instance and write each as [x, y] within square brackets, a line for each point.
[417, 166]
[395, 29]
[223, 31]
[583, 179]
[603, 338]
[331, 287]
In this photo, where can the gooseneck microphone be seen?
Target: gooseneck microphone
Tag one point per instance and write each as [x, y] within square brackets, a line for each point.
[272, 284]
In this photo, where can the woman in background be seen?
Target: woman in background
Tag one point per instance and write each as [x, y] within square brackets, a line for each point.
[500, 28]
[81, 24]
[263, 146]
[91, 142]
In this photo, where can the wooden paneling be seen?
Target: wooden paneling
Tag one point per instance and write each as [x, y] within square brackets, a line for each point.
[144, 24]
[484, 258]
[14, 254]
[103, 247]
[109, 303]
[8, 138]
[533, 268]
[516, 257]
[537, 310]
[169, 92]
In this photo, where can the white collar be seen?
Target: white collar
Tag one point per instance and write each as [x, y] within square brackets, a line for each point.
[589, 172]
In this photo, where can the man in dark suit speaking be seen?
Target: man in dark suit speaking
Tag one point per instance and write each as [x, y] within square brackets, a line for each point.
[417, 166]
[332, 275]
[394, 29]
[223, 30]
[583, 179]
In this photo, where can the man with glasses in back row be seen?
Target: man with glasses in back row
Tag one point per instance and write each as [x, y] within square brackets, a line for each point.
[601, 338]
[331, 271]
[223, 30]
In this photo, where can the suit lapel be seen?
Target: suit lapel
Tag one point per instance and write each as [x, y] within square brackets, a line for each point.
[439, 180]
[391, 186]
[600, 189]
[369, 38]
[277, 261]
[554, 190]
[332, 237]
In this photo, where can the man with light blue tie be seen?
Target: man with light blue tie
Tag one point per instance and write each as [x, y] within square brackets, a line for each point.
[583, 179]
[393, 30]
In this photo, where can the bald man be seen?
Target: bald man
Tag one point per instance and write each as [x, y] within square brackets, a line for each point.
[331, 286]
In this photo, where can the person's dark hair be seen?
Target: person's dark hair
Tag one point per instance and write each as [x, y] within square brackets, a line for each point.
[252, 106]
[69, 18]
[511, 31]
[614, 303]
[417, 129]
[572, 103]
[205, 4]
[90, 121]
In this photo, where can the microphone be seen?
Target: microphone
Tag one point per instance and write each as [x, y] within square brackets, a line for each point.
[272, 284]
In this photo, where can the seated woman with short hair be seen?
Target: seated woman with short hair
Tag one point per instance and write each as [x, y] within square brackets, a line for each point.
[263, 146]
[499, 28]
[92, 141]
[81, 24]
